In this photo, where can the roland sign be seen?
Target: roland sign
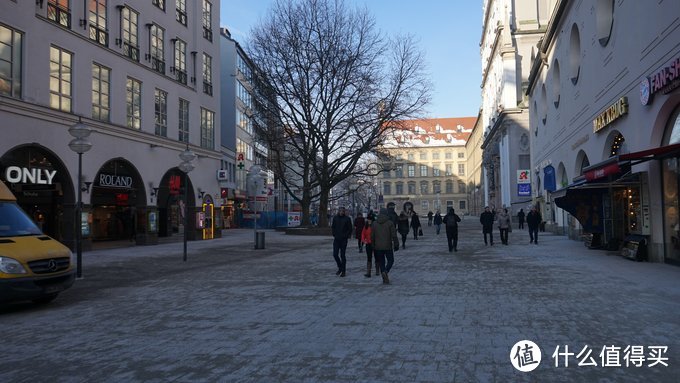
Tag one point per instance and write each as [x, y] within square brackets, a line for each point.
[15, 174]
[113, 181]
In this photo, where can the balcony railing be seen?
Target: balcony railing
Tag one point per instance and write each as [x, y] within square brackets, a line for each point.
[131, 51]
[207, 88]
[59, 15]
[99, 35]
[207, 34]
[158, 65]
[180, 75]
[181, 17]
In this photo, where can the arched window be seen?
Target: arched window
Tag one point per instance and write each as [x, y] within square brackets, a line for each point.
[574, 54]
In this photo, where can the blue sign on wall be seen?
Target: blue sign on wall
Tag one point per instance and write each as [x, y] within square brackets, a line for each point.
[524, 190]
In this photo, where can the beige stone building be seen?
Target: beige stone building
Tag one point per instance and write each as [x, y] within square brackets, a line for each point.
[427, 165]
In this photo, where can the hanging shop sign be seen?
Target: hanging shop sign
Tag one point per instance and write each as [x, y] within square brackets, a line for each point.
[114, 181]
[611, 114]
[524, 190]
[663, 80]
[15, 174]
[523, 176]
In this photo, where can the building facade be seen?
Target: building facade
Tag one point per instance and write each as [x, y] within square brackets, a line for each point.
[475, 168]
[427, 167]
[140, 77]
[247, 108]
[511, 29]
[605, 127]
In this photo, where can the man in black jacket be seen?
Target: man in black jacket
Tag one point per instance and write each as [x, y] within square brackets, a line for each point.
[342, 231]
[533, 221]
[451, 220]
[486, 219]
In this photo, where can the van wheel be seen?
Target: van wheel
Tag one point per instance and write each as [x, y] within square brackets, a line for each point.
[45, 299]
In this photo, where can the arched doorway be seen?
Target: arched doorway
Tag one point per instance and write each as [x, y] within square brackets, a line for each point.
[43, 188]
[171, 203]
[118, 203]
[671, 186]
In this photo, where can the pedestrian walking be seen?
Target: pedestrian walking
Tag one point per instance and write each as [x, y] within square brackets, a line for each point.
[430, 215]
[486, 219]
[504, 225]
[385, 243]
[403, 228]
[359, 223]
[342, 231]
[392, 214]
[520, 218]
[366, 240]
[438, 221]
[451, 220]
[533, 221]
[415, 224]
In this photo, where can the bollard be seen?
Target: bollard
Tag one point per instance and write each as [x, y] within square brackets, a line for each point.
[259, 240]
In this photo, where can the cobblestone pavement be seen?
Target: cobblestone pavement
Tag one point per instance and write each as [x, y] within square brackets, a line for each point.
[235, 314]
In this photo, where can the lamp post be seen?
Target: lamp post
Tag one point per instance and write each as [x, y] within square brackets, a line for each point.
[80, 145]
[187, 156]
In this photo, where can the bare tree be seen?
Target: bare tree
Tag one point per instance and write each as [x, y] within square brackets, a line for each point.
[338, 82]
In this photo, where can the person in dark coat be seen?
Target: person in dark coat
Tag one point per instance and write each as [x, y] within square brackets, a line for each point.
[415, 224]
[403, 228]
[533, 221]
[486, 219]
[520, 218]
[438, 221]
[451, 220]
[385, 243]
[359, 223]
[342, 231]
[392, 214]
[430, 215]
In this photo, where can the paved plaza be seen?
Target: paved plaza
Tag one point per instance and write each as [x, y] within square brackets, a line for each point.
[280, 314]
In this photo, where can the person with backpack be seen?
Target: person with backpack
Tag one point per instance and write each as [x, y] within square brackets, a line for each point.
[451, 220]
[385, 243]
[438, 221]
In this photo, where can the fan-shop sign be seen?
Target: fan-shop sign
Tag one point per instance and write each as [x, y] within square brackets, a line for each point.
[15, 174]
[113, 181]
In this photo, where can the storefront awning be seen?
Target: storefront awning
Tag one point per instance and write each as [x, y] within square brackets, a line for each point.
[652, 154]
[606, 168]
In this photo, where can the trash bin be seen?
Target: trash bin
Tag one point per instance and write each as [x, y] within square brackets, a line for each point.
[259, 239]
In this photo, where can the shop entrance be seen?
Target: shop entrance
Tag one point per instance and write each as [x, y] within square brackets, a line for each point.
[171, 205]
[117, 202]
[42, 186]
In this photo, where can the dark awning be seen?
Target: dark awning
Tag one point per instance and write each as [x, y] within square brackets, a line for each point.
[585, 204]
[653, 154]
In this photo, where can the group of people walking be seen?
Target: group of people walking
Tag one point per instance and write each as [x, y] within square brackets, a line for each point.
[377, 236]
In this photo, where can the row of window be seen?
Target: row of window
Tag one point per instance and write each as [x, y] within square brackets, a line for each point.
[423, 156]
[424, 171]
[61, 90]
[604, 19]
[424, 187]
[59, 11]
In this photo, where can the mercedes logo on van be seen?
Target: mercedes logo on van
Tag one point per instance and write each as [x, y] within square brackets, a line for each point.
[52, 265]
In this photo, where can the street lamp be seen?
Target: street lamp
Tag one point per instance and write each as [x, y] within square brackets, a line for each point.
[187, 156]
[80, 145]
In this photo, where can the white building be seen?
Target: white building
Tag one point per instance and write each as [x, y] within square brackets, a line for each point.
[427, 162]
[510, 29]
[605, 127]
[140, 75]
